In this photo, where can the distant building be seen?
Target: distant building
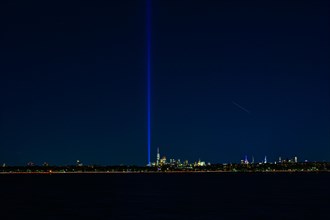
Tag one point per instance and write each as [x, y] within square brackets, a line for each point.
[30, 164]
[174, 163]
[163, 161]
[246, 160]
[79, 163]
[201, 163]
[158, 157]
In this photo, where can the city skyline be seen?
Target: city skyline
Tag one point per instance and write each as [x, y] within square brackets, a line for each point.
[109, 82]
[162, 159]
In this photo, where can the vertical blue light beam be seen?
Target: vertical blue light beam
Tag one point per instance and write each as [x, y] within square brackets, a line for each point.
[148, 27]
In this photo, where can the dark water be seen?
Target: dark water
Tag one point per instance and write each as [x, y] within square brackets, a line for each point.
[166, 196]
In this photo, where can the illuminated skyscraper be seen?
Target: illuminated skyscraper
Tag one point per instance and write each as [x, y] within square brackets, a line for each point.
[265, 161]
[246, 160]
[158, 157]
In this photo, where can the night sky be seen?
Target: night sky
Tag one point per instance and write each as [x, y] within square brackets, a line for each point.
[229, 79]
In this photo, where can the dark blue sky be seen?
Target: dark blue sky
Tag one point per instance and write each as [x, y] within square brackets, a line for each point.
[229, 78]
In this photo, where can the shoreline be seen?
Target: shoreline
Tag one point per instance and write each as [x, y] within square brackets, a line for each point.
[155, 172]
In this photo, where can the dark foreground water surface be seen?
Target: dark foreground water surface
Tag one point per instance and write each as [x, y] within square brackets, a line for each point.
[166, 196]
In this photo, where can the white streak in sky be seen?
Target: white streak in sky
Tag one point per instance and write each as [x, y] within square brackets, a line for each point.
[242, 108]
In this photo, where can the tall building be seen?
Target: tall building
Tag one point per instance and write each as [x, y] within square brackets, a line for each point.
[158, 157]
[265, 161]
[246, 160]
